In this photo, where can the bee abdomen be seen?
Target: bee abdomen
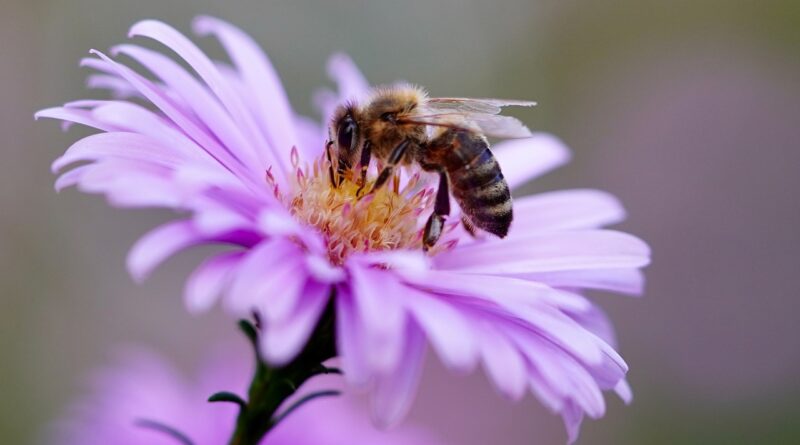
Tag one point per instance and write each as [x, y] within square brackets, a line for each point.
[482, 191]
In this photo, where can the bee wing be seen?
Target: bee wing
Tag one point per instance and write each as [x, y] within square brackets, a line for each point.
[472, 105]
[506, 127]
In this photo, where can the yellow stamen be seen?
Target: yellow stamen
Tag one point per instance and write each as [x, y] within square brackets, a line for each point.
[384, 220]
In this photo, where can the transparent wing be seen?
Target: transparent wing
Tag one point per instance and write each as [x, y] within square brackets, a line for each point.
[490, 124]
[473, 105]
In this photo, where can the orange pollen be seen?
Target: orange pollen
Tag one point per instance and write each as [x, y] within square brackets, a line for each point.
[385, 219]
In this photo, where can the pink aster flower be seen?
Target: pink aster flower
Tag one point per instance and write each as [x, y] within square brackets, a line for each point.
[222, 145]
[141, 399]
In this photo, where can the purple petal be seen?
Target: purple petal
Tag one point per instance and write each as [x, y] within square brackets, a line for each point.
[624, 392]
[158, 245]
[377, 297]
[563, 374]
[524, 159]
[547, 252]
[133, 184]
[205, 68]
[321, 269]
[198, 99]
[285, 338]
[161, 100]
[71, 177]
[573, 417]
[507, 292]
[624, 281]
[395, 391]
[349, 339]
[270, 278]
[351, 82]
[119, 88]
[503, 363]
[207, 281]
[75, 115]
[448, 331]
[565, 210]
[127, 146]
[273, 108]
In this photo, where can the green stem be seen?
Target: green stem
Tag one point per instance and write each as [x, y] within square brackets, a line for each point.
[271, 386]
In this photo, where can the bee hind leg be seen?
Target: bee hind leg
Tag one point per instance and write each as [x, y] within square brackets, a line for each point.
[441, 208]
[468, 226]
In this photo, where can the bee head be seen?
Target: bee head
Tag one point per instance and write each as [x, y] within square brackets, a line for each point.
[346, 135]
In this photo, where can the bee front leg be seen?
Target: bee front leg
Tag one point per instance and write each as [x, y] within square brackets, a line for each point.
[366, 156]
[331, 173]
[441, 208]
[394, 158]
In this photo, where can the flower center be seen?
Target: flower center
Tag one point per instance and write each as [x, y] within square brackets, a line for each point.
[354, 221]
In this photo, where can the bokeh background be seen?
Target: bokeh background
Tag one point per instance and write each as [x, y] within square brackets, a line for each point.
[689, 111]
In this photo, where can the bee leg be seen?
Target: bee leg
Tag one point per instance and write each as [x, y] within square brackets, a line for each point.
[366, 156]
[394, 158]
[468, 226]
[441, 208]
[331, 174]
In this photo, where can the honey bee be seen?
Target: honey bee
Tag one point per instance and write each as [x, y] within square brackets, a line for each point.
[401, 125]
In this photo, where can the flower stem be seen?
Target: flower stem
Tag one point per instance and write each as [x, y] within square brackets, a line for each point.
[271, 386]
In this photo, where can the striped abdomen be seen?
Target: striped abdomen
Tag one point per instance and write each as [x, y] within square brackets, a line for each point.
[476, 181]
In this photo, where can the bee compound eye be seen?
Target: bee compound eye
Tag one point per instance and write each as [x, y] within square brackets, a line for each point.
[345, 136]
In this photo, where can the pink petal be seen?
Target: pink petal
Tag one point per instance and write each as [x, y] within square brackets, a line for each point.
[119, 88]
[71, 177]
[263, 82]
[323, 271]
[128, 146]
[503, 363]
[285, 338]
[448, 331]
[349, 339]
[198, 99]
[394, 391]
[623, 390]
[507, 292]
[351, 82]
[158, 245]
[205, 68]
[75, 115]
[377, 297]
[624, 281]
[161, 100]
[207, 281]
[565, 210]
[134, 118]
[547, 252]
[524, 159]
[563, 373]
[270, 278]
[573, 417]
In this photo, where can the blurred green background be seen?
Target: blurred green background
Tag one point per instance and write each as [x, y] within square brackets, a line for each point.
[687, 110]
